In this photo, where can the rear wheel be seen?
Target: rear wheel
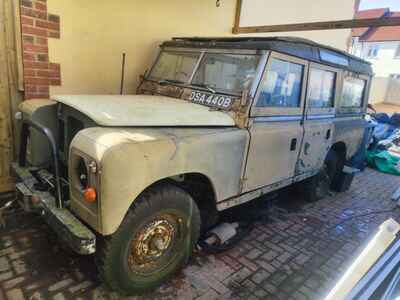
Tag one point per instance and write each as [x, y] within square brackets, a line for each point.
[318, 186]
[155, 239]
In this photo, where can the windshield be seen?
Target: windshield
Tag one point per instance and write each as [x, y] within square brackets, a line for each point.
[227, 72]
[217, 72]
[174, 66]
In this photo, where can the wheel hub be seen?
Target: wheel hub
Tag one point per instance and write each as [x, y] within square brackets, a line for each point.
[152, 242]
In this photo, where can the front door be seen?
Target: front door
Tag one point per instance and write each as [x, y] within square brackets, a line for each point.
[318, 124]
[276, 129]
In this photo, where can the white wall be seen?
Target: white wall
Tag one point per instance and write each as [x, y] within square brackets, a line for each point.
[275, 12]
[379, 87]
[385, 90]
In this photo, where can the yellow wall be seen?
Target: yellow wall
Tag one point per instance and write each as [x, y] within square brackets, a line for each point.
[95, 33]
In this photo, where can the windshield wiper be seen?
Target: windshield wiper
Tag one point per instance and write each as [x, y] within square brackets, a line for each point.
[168, 81]
[203, 85]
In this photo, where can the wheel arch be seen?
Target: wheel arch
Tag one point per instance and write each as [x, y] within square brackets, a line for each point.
[200, 187]
[340, 149]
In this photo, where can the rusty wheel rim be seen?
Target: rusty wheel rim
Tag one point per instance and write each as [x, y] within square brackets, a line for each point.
[152, 247]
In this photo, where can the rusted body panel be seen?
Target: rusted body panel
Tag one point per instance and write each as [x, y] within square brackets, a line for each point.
[131, 160]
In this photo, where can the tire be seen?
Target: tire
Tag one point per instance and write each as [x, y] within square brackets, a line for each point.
[155, 239]
[318, 186]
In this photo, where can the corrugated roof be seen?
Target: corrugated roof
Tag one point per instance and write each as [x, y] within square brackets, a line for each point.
[368, 14]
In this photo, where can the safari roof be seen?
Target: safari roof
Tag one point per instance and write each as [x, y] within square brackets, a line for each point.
[302, 48]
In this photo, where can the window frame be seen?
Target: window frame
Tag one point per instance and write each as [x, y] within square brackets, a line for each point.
[280, 111]
[397, 52]
[373, 48]
[323, 110]
[364, 103]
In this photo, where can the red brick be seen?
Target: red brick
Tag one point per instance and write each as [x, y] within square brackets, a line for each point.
[36, 95]
[26, 20]
[41, 41]
[54, 74]
[53, 34]
[26, 3]
[48, 25]
[42, 73]
[29, 56]
[36, 48]
[36, 80]
[43, 89]
[42, 57]
[29, 72]
[28, 39]
[55, 81]
[30, 88]
[34, 31]
[53, 18]
[36, 65]
[33, 13]
[41, 6]
[54, 66]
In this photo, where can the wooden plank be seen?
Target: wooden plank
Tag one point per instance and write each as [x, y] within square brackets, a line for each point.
[237, 16]
[18, 43]
[7, 92]
[326, 25]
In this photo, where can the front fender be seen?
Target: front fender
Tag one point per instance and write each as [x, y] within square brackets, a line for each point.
[131, 164]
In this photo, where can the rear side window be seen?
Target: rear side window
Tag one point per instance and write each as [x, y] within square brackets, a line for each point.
[321, 88]
[353, 92]
[282, 85]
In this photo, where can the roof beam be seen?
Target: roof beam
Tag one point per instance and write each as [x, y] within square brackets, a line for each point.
[326, 25]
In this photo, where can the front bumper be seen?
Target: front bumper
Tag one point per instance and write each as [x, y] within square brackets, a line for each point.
[69, 229]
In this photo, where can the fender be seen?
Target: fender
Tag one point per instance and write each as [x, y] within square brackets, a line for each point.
[130, 160]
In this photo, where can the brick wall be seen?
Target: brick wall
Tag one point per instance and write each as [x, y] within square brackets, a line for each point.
[37, 26]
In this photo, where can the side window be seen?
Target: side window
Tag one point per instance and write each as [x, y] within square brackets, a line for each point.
[353, 92]
[282, 85]
[321, 88]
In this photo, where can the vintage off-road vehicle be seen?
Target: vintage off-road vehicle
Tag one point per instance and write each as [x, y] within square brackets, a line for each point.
[216, 122]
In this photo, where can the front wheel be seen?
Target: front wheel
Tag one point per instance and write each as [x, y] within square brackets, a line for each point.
[154, 240]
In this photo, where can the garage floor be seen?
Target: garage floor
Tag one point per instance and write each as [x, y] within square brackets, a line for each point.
[296, 251]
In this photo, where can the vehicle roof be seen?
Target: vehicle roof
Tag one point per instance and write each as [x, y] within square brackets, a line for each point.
[299, 47]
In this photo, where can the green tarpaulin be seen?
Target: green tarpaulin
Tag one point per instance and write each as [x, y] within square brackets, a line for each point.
[385, 161]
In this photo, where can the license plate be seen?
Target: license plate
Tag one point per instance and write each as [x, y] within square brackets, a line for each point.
[213, 100]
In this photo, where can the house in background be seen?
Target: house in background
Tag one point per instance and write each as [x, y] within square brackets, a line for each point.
[381, 47]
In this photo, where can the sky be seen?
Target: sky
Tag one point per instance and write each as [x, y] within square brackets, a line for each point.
[368, 4]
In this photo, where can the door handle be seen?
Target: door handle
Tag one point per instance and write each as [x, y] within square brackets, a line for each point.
[293, 144]
[328, 134]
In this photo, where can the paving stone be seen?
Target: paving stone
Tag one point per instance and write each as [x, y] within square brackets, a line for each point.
[287, 256]
[4, 264]
[61, 284]
[13, 282]
[260, 276]
[15, 294]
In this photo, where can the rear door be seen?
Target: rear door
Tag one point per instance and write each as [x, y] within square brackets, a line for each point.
[322, 90]
[276, 129]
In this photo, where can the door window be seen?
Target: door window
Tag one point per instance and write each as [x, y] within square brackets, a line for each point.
[353, 92]
[321, 88]
[282, 86]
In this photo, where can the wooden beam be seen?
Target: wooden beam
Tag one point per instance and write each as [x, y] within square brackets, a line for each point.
[237, 16]
[326, 25]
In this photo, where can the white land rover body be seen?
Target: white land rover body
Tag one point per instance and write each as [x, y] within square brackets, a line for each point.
[215, 123]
